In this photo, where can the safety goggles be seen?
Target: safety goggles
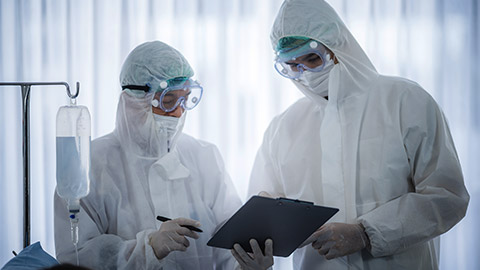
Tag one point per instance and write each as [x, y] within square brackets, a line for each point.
[171, 93]
[178, 91]
[312, 56]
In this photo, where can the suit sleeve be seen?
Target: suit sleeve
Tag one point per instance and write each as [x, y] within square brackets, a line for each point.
[264, 176]
[96, 248]
[225, 203]
[439, 200]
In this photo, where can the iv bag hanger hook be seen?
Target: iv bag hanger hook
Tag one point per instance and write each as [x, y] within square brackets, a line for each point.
[25, 88]
[70, 93]
[73, 97]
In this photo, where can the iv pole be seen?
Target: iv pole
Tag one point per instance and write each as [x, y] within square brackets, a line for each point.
[25, 87]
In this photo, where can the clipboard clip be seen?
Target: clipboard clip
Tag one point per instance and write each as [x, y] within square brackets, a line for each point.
[295, 201]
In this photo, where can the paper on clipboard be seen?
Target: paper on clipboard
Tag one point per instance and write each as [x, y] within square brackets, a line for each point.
[287, 222]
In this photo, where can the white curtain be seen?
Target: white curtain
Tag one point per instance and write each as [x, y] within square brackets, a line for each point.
[433, 42]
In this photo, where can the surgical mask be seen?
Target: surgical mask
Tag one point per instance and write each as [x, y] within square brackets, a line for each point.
[169, 128]
[317, 81]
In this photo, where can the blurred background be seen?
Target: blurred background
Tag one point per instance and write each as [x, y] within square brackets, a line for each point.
[433, 42]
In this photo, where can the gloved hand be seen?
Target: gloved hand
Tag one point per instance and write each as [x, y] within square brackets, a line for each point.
[311, 238]
[255, 261]
[171, 236]
[340, 239]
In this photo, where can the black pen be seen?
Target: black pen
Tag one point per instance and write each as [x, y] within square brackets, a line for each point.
[192, 228]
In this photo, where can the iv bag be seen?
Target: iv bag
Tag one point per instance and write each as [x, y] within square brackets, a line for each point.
[73, 154]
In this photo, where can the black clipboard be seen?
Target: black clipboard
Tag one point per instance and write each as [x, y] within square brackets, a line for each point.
[287, 222]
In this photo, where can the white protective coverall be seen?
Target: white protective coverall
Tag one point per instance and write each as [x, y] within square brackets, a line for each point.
[134, 179]
[379, 149]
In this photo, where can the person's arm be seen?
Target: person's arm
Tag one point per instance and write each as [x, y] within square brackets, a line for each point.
[336, 239]
[264, 176]
[263, 182]
[224, 203]
[96, 248]
[440, 198]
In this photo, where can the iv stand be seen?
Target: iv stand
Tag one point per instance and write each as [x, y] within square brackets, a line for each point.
[25, 87]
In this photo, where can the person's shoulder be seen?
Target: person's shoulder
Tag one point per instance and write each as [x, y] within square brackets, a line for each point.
[398, 84]
[294, 112]
[105, 146]
[303, 104]
[106, 156]
[188, 143]
[404, 88]
[186, 139]
[196, 150]
[414, 101]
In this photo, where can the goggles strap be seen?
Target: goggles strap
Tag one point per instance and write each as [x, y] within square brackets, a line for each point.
[144, 88]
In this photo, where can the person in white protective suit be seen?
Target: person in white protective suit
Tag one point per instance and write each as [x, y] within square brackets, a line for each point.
[376, 147]
[147, 168]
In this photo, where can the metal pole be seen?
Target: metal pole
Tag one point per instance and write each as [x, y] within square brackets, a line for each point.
[26, 163]
[26, 86]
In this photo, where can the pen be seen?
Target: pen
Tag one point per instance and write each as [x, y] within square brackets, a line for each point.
[193, 228]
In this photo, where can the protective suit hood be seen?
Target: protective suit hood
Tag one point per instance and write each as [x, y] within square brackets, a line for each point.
[318, 20]
[148, 64]
[154, 62]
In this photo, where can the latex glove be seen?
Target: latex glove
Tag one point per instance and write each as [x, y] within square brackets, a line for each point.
[340, 239]
[171, 236]
[312, 238]
[257, 260]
